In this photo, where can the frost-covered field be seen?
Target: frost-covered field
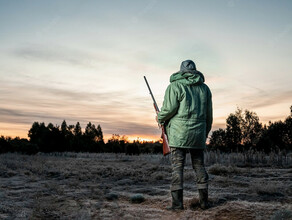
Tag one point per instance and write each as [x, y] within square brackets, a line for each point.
[104, 186]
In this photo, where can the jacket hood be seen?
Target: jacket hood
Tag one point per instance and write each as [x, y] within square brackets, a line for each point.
[188, 77]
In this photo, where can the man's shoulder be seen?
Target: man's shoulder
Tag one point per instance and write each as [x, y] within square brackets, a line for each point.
[206, 86]
[208, 90]
[174, 84]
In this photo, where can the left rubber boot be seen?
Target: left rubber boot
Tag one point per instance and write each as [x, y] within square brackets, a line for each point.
[177, 200]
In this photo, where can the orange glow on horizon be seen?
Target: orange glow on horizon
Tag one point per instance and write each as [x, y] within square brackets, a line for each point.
[129, 138]
[135, 137]
[17, 130]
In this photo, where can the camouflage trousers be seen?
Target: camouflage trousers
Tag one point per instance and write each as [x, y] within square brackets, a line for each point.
[178, 156]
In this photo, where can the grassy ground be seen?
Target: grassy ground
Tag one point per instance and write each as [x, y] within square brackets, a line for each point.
[101, 186]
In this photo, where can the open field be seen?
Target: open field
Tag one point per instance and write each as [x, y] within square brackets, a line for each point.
[104, 186]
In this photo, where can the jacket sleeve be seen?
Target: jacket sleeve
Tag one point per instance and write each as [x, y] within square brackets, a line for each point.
[170, 104]
[209, 119]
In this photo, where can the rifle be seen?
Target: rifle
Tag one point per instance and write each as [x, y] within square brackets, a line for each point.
[166, 149]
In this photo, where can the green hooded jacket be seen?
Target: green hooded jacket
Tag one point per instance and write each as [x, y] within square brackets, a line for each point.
[187, 110]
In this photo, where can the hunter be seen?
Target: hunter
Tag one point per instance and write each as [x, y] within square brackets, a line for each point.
[187, 116]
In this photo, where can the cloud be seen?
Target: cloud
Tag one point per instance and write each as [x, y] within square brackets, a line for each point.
[113, 56]
[58, 54]
[25, 117]
[266, 99]
[251, 95]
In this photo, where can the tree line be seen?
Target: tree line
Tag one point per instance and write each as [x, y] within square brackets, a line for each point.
[71, 138]
[243, 132]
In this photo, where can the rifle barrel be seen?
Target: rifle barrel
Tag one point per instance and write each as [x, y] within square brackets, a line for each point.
[154, 102]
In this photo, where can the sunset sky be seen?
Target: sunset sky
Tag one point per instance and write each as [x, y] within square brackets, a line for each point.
[85, 60]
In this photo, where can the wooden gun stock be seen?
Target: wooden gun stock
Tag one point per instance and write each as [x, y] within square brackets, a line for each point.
[165, 146]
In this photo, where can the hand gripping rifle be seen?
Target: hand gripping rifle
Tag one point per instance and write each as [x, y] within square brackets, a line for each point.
[166, 149]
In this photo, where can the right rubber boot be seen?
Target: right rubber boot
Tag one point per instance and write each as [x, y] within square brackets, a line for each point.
[203, 196]
[177, 200]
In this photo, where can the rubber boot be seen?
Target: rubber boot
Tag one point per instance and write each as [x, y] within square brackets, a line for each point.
[177, 200]
[203, 195]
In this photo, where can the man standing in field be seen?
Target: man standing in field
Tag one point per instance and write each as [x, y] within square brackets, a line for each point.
[187, 114]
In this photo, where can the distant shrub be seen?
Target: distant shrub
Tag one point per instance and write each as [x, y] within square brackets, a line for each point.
[111, 196]
[132, 149]
[283, 214]
[17, 145]
[24, 146]
[5, 145]
[218, 169]
[268, 188]
[249, 158]
[137, 198]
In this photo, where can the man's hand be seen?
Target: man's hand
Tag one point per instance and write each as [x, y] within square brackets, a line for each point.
[156, 118]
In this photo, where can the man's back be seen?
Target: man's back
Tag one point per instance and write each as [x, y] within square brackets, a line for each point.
[187, 110]
[195, 100]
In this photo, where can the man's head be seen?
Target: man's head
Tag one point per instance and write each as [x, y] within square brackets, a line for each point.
[188, 65]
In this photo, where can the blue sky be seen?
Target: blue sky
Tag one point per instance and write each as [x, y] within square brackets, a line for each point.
[85, 60]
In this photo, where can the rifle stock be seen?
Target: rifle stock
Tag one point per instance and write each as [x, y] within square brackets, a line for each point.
[165, 146]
